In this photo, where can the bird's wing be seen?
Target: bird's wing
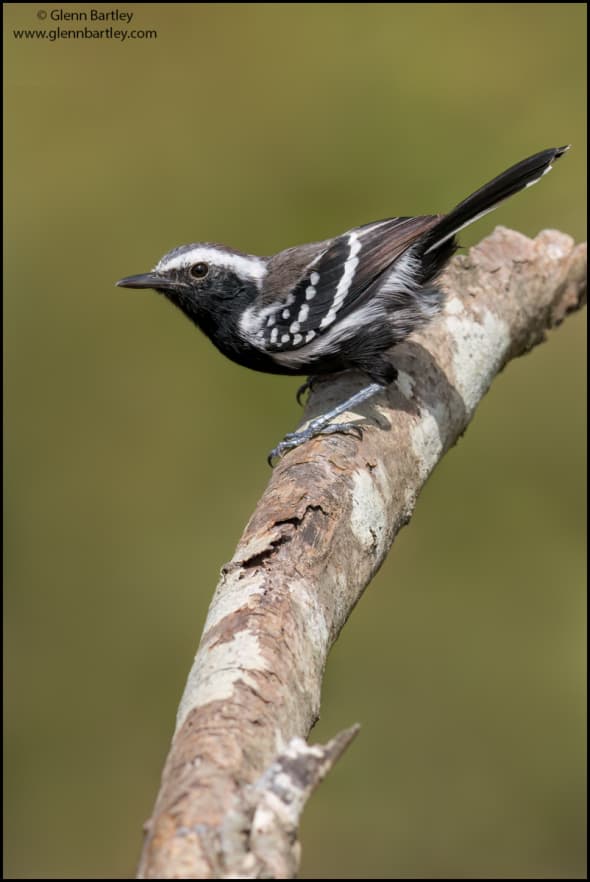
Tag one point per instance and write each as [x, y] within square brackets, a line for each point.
[332, 282]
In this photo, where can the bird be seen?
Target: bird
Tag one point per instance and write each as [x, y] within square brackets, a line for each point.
[331, 306]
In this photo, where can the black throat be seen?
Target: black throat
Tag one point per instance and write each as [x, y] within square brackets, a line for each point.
[217, 315]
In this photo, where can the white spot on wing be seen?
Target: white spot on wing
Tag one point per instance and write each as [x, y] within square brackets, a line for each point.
[330, 341]
[303, 313]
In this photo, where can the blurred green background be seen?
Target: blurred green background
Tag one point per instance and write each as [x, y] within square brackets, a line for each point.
[128, 484]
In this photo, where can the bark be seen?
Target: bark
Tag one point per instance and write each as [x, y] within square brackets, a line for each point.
[238, 772]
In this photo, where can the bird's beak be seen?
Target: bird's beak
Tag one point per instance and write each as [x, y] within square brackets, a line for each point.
[147, 280]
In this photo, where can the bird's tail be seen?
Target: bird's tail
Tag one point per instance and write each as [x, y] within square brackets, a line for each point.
[516, 178]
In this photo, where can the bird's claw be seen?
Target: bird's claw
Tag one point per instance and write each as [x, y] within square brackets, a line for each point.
[345, 428]
[294, 439]
[306, 387]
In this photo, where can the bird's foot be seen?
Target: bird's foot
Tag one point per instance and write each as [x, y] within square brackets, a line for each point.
[323, 425]
[294, 439]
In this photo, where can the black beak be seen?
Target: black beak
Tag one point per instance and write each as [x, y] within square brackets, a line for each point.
[147, 280]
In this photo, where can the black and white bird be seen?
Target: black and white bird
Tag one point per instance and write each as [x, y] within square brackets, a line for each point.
[328, 306]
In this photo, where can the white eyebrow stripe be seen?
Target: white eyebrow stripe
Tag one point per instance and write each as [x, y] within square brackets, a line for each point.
[242, 264]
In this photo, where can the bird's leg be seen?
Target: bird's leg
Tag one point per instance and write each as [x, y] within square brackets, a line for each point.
[322, 425]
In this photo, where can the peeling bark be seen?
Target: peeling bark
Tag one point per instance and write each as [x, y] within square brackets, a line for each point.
[238, 772]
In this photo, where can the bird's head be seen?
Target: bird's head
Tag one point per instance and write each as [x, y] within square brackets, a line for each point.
[203, 279]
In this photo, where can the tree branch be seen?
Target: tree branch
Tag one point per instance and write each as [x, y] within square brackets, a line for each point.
[238, 772]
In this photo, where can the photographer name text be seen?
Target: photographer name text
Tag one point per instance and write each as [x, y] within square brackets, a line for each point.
[91, 15]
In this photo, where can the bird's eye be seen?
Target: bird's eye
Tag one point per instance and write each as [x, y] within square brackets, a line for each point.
[199, 270]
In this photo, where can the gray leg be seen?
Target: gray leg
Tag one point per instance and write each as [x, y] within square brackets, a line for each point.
[322, 425]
